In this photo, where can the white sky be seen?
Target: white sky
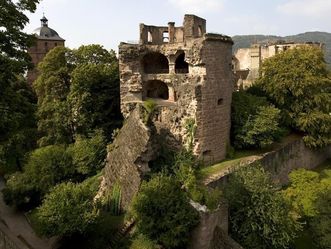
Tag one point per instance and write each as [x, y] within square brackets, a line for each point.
[108, 22]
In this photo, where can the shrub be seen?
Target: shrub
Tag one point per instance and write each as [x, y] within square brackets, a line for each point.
[68, 209]
[142, 242]
[89, 154]
[45, 168]
[260, 218]
[163, 212]
[255, 123]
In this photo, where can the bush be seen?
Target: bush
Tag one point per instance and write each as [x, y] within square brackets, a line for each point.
[255, 123]
[89, 154]
[163, 213]
[142, 242]
[260, 218]
[20, 193]
[45, 168]
[68, 209]
[261, 129]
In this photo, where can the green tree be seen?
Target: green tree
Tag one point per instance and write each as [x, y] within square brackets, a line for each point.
[297, 82]
[68, 209]
[89, 154]
[259, 215]
[78, 92]
[46, 167]
[16, 106]
[52, 87]
[163, 213]
[255, 122]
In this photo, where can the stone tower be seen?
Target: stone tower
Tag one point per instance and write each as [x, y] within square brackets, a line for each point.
[47, 39]
[187, 72]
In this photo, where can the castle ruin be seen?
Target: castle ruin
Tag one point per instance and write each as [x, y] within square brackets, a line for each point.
[187, 73]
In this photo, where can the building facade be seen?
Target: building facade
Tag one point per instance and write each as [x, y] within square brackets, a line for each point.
[247, 61]
[187, 73]
[47, 39]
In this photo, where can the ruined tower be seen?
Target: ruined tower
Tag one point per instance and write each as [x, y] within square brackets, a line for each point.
[187, 72]
[47, 39]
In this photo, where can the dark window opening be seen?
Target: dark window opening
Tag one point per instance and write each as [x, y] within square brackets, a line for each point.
[181, 66]
[46, 44]
[155, 63]
[55, 44]
[156, 89]
[165, 37]
[220, 101]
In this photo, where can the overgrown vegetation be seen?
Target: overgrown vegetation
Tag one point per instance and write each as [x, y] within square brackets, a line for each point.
[259, 215]
[163, 213]
[297, 82]
[255, 122]
[309, 194]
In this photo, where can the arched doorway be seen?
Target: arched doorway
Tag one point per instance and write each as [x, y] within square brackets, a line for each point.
[155, 89]
[181, 66]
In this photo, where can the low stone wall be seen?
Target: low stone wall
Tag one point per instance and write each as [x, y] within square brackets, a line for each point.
[293, 156]
[281, 162]
[212, 231]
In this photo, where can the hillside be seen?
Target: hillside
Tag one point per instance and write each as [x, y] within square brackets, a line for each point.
[244, 41]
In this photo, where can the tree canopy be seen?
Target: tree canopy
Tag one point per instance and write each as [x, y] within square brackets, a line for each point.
[17, 101]
[78, 92]
[297, 82]
[259, 216]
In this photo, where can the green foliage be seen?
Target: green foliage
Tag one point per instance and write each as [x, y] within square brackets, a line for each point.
[52, 87]
[143, 242]
[190, 127]
[94, 95]
[45, 168]
[18, 131]
[297, 82]
[89, 154]
[310, 195]
[321, 223]
[115, 200]
[303, 191]
[149, 106]
[17, 103]
[259, 215]
[260, 130]
[78, 92]
[20, 192]
[163, 213]
[255, 123]
[67, 209]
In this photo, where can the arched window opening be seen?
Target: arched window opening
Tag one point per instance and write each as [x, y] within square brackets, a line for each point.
[149, 37]
[181, 66]
[165, 37]
[156, 89]
[155, 63]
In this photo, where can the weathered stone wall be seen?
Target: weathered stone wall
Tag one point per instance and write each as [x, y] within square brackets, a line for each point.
[293, 156]
[281, 162]
[214, 99]
[128, 157]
